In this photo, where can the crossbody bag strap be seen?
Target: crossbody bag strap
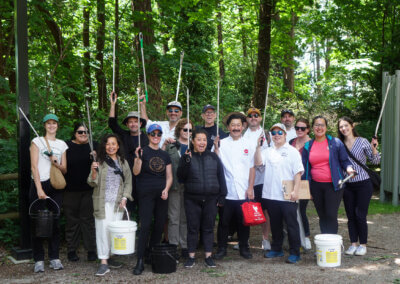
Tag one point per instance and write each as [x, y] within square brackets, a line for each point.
[48, 146]
[356, 160]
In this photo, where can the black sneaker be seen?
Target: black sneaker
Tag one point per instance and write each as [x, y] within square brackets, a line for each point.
[190, 262]
[103, 270]
[209, 262]
[72, 256]
[114, 264]
[221, 253]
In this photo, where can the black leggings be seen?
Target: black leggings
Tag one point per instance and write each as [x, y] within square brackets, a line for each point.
[356, 197]
[151, 204]
[304, 220]
[327, 202]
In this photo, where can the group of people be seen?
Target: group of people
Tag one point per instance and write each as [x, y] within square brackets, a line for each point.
[179, 177]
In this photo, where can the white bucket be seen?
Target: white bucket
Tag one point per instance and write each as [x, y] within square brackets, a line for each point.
[122, 236]
[329, 249]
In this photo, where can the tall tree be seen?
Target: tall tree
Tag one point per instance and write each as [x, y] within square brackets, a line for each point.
[288, 77]
[100, 41]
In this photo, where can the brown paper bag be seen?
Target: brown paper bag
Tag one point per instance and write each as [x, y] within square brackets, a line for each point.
[304, 191]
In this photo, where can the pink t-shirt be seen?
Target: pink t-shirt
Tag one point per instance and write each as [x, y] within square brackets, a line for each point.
[319, 160]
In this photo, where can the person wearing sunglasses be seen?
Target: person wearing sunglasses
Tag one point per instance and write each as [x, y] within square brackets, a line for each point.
[77, 200]
[177, 227]
[288, 118]
[154, 178]
[237, 157]
[209, 115]
[253, 133]
[174, 113]
[302, 128]
[281, 162]
[325, 159]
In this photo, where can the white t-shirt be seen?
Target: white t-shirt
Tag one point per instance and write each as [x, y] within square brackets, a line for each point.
[166, 131]
[237, 158]
[58, 147]
[280, 164]
[290, 134]
[252, 137]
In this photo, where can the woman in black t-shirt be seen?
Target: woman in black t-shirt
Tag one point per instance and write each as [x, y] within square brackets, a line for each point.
[153, 169]
[78, 204]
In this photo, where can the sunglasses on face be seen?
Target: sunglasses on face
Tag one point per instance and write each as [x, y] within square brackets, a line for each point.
[81, 132]
[302, 128]
[279, 132]
[173, 110]
[186, 130]
[255, 115]
[153, 134]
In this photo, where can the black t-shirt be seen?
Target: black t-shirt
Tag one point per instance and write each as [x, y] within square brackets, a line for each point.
[78, 166]
[153, 172]
[212, 133]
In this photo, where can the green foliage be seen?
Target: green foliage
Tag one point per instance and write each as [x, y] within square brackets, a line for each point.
[9, 230]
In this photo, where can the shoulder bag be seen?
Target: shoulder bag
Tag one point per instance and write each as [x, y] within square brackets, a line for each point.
[57, 179]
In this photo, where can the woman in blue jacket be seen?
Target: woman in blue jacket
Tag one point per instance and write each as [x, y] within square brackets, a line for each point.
[324, 160]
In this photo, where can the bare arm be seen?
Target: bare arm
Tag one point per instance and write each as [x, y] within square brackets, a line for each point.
[137, 164]
[143, 112]
[257, 154]
[113, 101]
[250, 189]
[34, 153]
[164, 194]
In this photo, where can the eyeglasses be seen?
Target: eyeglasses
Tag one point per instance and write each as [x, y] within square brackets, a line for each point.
[81, 132]
[302, 128]
[255, 115]
[186, 130]
[279, 132]
[170, 110]
[153, 134]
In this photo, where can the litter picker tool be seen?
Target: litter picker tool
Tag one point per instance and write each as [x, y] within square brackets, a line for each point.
[343, 181]
[90, 126]
[265, 113]
[138, 105]
[380, 115]
[113, 82]
[218, 109]
[187, 114]
[144, 68]
[179, 76]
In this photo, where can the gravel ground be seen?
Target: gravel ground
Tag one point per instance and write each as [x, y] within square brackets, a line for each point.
[380, 265]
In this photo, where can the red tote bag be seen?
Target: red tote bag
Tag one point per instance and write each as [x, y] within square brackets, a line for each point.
[252, 213]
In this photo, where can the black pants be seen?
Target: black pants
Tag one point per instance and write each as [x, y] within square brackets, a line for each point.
[356, 197]
[303, 212]
[54, 241]
[327, 202]
[233, 211]
[278, 212]
[202, 214]
[78, 211]
[151, 204]
[231, 231]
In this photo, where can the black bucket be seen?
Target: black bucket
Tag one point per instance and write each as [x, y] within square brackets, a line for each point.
[43, 220]
[163, 258]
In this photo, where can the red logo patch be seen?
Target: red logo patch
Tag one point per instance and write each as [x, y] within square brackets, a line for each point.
[246, 151]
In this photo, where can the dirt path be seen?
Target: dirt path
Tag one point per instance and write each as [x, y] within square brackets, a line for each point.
[380, 265]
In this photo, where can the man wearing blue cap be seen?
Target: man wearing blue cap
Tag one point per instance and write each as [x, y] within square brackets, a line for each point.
[208, 115]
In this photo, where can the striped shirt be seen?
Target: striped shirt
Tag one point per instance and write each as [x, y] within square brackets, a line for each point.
[362, 151]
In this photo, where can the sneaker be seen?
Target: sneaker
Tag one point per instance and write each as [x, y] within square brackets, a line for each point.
[72, 256]
[236, 247]
[351, 250]
[293, 259]
[245, 253]
[103, 270]
[361, 250]
[39, 266]
[273, 254]
[113, 263]
[209, 262]
[266, 245]
[190, 262]
[307, 243]
[56, 264]
[221, 253]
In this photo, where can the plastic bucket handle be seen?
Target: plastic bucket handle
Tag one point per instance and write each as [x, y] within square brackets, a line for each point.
[58, 207]
[177, 261]
[126, 210]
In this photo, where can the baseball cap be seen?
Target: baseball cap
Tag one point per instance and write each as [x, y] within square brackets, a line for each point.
[253, 109]
[134, 114]
[278, 125]
[206, 107]
[49, 117]
[174, 104]
[154, 127]
[283, 112]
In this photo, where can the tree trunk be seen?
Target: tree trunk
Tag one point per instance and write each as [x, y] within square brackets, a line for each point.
[328, 49]
[145, 25]
[243, 34]
[100, 76]
[288, 78]
[264, 56]
[87, 81]
[220, 47]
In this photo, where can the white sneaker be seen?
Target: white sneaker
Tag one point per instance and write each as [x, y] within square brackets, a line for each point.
[266, 245]
[39, 266]
[351, 250]
[307, 243]
[56, 264]
[361, 250]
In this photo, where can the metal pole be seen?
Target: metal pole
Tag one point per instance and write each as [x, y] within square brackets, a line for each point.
[144, 68]
[383, 108]
[265, 106]
[113, 82]
[396, 153]
[187, 108]
[138, 104]
[179, 76]
[90, 125]
[218, 109]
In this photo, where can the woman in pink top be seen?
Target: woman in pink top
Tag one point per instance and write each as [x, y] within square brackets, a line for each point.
[325, 159]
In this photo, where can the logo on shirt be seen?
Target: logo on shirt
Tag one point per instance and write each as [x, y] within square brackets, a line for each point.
[156, 164]
[246, 152]
[284, 154]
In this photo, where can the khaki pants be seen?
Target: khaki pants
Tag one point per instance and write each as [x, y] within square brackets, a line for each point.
[177, 227]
